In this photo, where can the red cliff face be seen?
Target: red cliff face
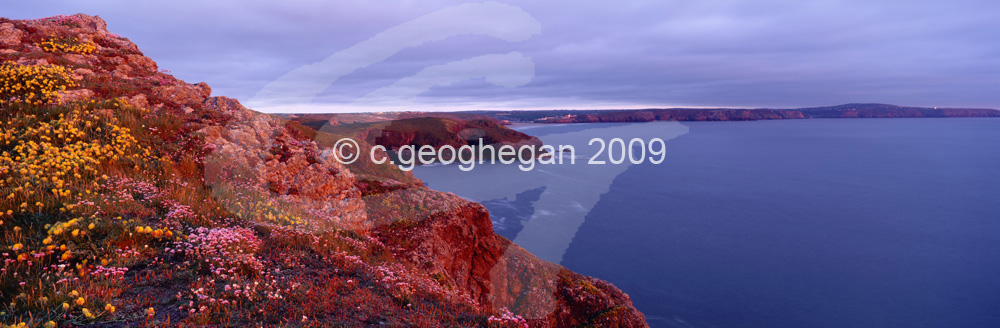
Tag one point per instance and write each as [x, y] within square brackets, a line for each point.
[333, 246]
[454, 237]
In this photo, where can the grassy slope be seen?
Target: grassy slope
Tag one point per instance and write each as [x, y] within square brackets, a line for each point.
[108, 220]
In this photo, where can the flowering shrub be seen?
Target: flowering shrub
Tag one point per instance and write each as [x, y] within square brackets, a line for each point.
[246, 199]
[109, 272]
[507, 319]
[68, 45]
[51, 162]
[209, 297]
[106, 217]
[126, 195]
[224, 250]
[179, 212]
[32, 84]
[48, 155]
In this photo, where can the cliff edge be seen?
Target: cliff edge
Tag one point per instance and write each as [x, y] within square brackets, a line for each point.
[130, 197]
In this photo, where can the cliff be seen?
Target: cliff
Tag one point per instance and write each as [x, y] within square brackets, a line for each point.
[734, 114]
[433, 131]
[135, 198]
[893, 111]
[638, 115]
[397, 129]
[650, 115]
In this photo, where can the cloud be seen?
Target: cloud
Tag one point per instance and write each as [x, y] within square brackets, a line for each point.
[625, 53]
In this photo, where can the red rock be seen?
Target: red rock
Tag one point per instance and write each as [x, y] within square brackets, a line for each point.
[181, 94]
[10, 35]
[74, 95]
[434, 232]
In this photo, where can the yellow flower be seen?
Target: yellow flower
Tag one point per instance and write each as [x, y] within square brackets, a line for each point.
[150, 312]
[17, 247]
[65, 306]
[110, 308]
[50, 324]
[80, 301]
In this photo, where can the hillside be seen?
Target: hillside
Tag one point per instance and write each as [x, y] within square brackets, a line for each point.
[640, 115]
[733, 114]
[893, 111]
[133, 198]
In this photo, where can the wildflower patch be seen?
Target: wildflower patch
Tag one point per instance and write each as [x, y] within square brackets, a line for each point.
[32, 84]
[67, 45]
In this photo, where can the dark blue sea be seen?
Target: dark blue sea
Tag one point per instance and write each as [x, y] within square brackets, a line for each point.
[798, 223]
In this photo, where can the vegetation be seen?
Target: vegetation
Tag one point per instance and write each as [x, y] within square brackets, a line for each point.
[120, 206]
[106, 217]
[32, 84]
[67, 44]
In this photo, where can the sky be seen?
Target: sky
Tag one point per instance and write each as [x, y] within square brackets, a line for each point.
[388, 55]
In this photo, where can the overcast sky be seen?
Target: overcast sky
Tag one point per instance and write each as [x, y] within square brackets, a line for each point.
[385, 55]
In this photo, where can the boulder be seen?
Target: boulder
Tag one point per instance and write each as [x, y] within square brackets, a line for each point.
[10, 35]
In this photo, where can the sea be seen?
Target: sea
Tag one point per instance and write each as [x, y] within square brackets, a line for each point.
[785, 223]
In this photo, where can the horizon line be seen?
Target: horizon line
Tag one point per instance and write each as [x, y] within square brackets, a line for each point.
[336, 109]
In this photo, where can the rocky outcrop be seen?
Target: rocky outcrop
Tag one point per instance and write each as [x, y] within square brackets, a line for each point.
[454, 237]
[259, 171]
[74, 95]
[9, 35]
[182, 95]
[259, 149]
